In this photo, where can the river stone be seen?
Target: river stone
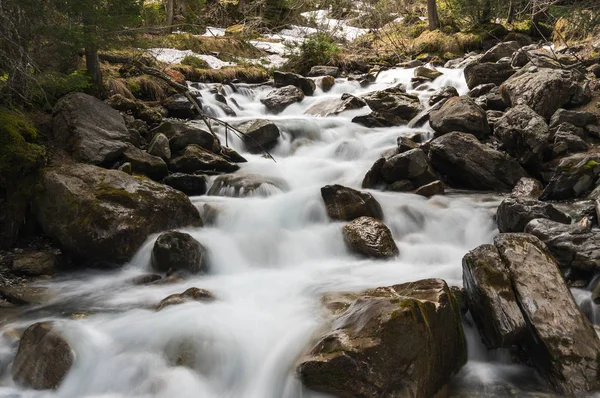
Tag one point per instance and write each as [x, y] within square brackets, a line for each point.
[193, 293]
[35, 263]
[499, 51]
[441, 94]
[246, 185]
[527, 187]
[467, 163]
[280, 98]
[189, 184]
[179, 107]
[394, 102]
[404, 166]
[260, 135]
[398, 341]
[370, 237]
[25, 294]
[346, 204]
[195, 158]
[566, 141]
[44, 357]
[374, 178]
[88, 129]
[573, 246]
[460, 114]
[524, 134]
[336, 106]
[175, 250]
[576, 118]
[428, 73]
[193, 136]
[321, 70]
[476, 74]
[481, 89]
[159, 146]
[106, 215]
[491, 299]
[514, 213]
[144, 163]
[573, 177]
[564, 346]
[433, 188]
[283, 79]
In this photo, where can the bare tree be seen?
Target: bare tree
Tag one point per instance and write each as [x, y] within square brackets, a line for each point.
[432, 15]
[170, 14]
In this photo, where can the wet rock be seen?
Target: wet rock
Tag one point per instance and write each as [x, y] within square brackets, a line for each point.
[370, 237]
[527, 187]
[491, 299]
[500, 51]
[394, 103]
[126, 168]
[492, 101]
[35, 263]
[283, 79]
[481, 89]
[193, 136]
[336, 106]
[346, 204]
[179, 251]
[401, 186]
[567, 142]
[544, 91]
[280, 98]
[467, 163]
[232, 155]
[404, 166]
[431, 189]
[405, 340]
[476, 74]
[25, 294]
[493, 117]
[573, 177]
[144, 279]
[106, 215]
[195, 158]
[405, 144]
[44, 357]
[326, 83]
[179, 107]
[189, 184]
[374, 178]
[515, 213]
[88, 129]
[428, 73]
[573, 246]
[443, 93]
[260, 135]
[246, 185]
[576, 118]
[460, 114]
[524, 134]
[321, 70]
[191, 294]
[144, 163]
[159, 146]
[137, 109]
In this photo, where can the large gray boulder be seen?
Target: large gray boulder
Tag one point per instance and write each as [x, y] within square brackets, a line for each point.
[515, 213]
[394, 103]
[323, 70]
[399, 341]
[460, 114]
[88, 129]
[144, 163]
[260, 135]
[283, 79]
[370, 237]
[280, 98]
[527, 187]
[195, 158]
[189, 184]
[408, 165]
[336, 106]
[499, 51]
[573, 177]
[105, 215]
[576, 118]
[346, 204]
[467, 163]
[174, 250]
[476, 74]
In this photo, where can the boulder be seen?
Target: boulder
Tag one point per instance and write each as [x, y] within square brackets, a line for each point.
[460, 114]
[195, 158]
[433, 188]
[191, 294]
[280, 98]
[395, 103]
[441, 94]
[44, 357]
[467, 163]
[543, 90]
[260, 135]
[179, 251]
[136, 108]
[492, 101]
[25, 294]
[189, 135]
[576, 118]
[336, 106]
[398, 341]
[566, 141]
[346, 204]
[179, 107]
[35, 263]
[573, 177]
[321, 70]
[370, 237]
[524, 134]
[189, 184]
[573, 246]
[491, 299]
[481, 89]
[106, 215]
[515, 213]
[374, 178]
[88, 129]
[245, 185]
[499, 51]
[283, 79]
[405, 166]
[527, 187]
[326, 83]
[476, 74]
[144, 163]
[427, 73]
[159, 146]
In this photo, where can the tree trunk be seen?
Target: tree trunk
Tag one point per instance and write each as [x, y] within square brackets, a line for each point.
[486, 12]
[92, 63]
[170, 12]
[432, 15]
[511, 12]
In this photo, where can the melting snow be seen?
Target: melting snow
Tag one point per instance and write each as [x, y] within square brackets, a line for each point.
[173, 56]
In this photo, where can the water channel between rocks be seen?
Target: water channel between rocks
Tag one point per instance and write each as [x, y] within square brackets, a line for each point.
[273, 254]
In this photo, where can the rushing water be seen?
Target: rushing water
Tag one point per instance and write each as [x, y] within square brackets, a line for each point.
[272, 256]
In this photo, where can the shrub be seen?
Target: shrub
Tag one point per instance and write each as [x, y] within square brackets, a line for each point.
[45, 90]
[317, 49]
[195, 62]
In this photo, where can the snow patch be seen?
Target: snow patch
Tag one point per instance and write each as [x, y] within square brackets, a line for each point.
[173, 56]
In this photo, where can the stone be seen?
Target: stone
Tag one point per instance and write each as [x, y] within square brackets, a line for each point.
[515, 213]
[481, 89]
[493, 117]
[346, 204]
[573, 177]
[126, 168]
[524, 135]
[179, 107]
[443, 93]
[326, 83]
[283, 79]
[246, 185]
[35, 263]
[189, 184]
[576, 118]
[476, 74]
[401, 186]
[527, 187]
[232, 155]
[321, 70]
[567, 142]
[25, 294]
[500, 51]
[404, 166]
[467, 163]
[428, 73]
[460, 114]
[174, 250]
[336, 106]
[88, 129]
[374, 178]
[491, 299]
[260, 135]
[195, 158]
[433, 188]
[193, 136]
[44, 357]
[144, 163]
[280, 98]
[106, 215]
[492, 101]
[191, 294]
[394, 103]
[370, 237]
[398, 341]
[159, 146]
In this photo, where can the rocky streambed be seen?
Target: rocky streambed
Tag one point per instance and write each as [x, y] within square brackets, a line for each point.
[411, 232]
